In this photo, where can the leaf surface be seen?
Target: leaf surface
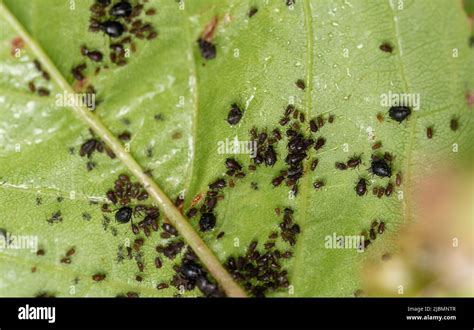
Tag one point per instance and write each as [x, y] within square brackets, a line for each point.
[333, 46]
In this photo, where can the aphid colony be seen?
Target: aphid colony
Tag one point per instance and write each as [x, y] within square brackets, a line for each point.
[119, 18]
[114, 20]
[190, 274]
[92, 145]
[375, 228]
[260, 271]
[127, 196]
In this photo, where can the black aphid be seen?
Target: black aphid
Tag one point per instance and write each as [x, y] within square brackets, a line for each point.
[98, 277]
[314, 164]
[208, 49]
[381, 228]
[232, 164]
[380, 168]
[121, 9]
[284, 121]
[191, 270]
[253, 10]
[207, 221]
[398, 180]
[278, 180]
[340, 166]
[95, 56]
[112, 28]
[270, 156]
[218, 184]
[361, 187]
[453, 124]
[320, 142]
[399, 113]
[235, 114]
[300, 84]
[386, 47]
[289, 110]
[353, 162]
[318, 184]
[389, 189]
[429, 132]
[123, 215]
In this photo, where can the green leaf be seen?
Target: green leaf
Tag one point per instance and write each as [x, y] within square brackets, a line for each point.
[333, 46]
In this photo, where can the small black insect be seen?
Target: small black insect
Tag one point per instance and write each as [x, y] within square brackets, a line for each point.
[361, 187]
[121, 9]
[300, 84]
[278, 180]
[399, 113]
[398, 180]
[218, 184]
[276, 134]
[284, 121]
[235, 114]
[112, 28]
[353, 162]
[313, 126]
[191, 270]
[381, 228]
[429, 132]
[270, 156]
[320, 142]
[314, 164]
[380, 168]
[386, 47]
[207, 49]
[207, 221]
[98, 277]
[454, 124]
[192, 212]
[341, 166]
[111, 196]
[232, 164]
[318, 184]
[376, 145]
[289, 109]
[253, 10]
[158, 262]
[123, 215]
[389, 189]
[95, 56]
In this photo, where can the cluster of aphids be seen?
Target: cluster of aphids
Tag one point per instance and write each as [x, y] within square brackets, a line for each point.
[264, 144]
[190, 274]
[260, 271]
[207, 220]
[375, 228]
[92, 145]
[119, 18]
[289, 230]
[124, 193]
[42, 91]
[114, 20]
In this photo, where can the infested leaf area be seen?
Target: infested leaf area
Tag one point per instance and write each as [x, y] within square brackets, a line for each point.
[331, 60]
